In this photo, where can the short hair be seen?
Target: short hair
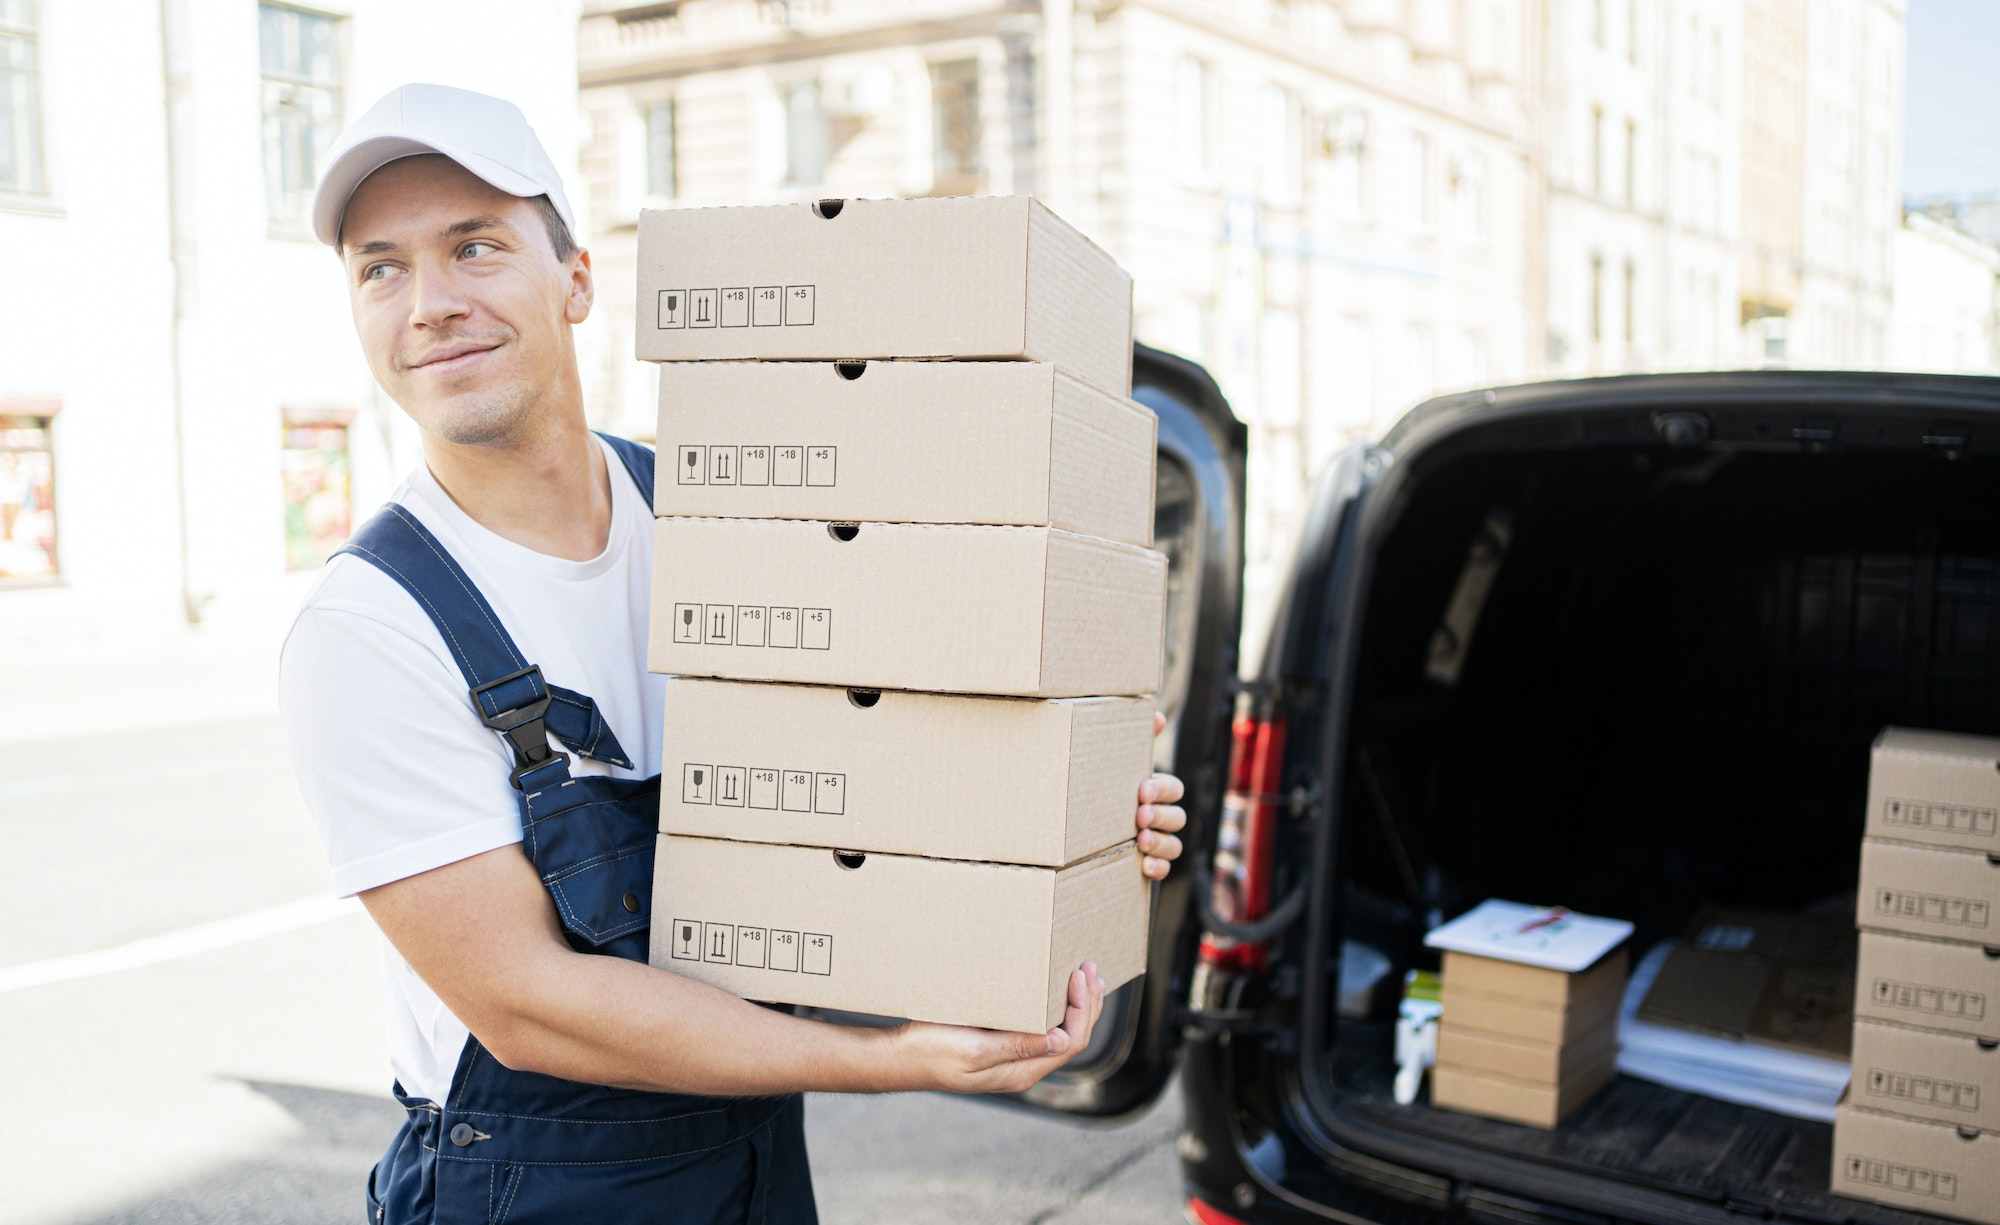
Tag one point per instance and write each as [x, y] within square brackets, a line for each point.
[559, 235]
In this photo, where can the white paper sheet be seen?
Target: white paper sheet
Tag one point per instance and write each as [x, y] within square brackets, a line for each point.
[1549, 937]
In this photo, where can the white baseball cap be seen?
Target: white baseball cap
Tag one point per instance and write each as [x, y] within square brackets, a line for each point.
[488, 136]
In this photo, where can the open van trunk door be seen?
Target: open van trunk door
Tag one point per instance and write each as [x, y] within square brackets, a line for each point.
[1198, 524]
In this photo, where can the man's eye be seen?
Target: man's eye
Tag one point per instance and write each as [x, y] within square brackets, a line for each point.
[473, 250]
[374, 272]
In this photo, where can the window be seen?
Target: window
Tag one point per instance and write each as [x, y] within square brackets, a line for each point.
[1596, 299]
[1631, 162]
[20, 102]
[300, 58]
[1416, 182]
[1349, 133]
[1596, 21]
[663, 170]
[1632, 32]
[1597, 149]
[27, 499]
[319, 503]
[1191, 135]
[1466, 173]
[955, 162]
[1631, 303]
[808, 139]
[1280, 140]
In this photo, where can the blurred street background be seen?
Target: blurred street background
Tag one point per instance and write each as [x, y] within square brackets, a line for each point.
[1340, 207]
[191, 1031]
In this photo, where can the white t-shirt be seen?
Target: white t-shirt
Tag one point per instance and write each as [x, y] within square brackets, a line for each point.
[398, 773]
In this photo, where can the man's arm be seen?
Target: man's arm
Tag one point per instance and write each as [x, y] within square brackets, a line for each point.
[484, 935]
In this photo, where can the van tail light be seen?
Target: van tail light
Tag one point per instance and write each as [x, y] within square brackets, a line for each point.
[1201, 1212]
[1246, 834]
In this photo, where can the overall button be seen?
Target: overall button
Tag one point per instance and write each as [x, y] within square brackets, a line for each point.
[462, 1134]
[632, 902]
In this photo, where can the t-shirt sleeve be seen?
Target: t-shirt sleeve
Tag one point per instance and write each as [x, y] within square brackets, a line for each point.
[397, 772]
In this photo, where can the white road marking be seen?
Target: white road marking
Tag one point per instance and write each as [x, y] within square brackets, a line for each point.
[37, 786]
[202, 938]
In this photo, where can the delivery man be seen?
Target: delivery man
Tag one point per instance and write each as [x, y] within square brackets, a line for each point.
[468, 710]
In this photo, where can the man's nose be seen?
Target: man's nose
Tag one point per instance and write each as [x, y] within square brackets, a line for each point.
[436, 296]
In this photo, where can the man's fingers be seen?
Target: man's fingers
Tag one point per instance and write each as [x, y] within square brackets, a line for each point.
[1155, 869]
[1161, 789]
[1159, 723]
[1163, 847]
[1167, 818]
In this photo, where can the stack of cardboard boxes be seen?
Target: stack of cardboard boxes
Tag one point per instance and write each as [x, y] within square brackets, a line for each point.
[1524, 1043]
[913, 583]
[1920, 1126]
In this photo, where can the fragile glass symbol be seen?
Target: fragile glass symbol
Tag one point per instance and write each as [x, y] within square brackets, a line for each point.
[694, 461]
[673, 303]
[697, 782]
[687, 935]
[687, 617]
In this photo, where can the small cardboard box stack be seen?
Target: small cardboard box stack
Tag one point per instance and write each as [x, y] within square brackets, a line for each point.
[1920, 1126]
[1521, 1041]
[910, 605]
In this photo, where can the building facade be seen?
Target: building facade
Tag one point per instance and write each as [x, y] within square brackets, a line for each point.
[1329, 206]
[1945, 316]
[187, 426]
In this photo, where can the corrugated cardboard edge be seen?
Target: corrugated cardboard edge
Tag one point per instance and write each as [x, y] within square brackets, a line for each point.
[1078, 593]
[1099, 726]
[1050, 238]
[1102, 913]
[1102, 452]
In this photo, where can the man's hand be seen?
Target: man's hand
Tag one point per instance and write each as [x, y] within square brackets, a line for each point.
[963, 1060]
[1160, 817]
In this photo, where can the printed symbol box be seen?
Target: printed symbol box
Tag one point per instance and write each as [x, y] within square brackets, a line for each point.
[1052, 781]
[1012, 611]
[1909, 1163]
[996, 277]
[1928, 891]
[1002, 443]
[1931, 984]
[1938, 788]
[1525, 1043]
[983, 944]
[1916, 1072]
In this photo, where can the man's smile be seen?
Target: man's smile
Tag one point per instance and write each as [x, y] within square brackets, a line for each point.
[453, 358]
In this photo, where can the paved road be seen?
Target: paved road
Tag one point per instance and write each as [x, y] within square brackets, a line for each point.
[224, 1062]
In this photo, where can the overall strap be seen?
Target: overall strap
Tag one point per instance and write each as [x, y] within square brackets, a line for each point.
[507, 691]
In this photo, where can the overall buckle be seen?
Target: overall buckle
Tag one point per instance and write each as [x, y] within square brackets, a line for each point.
[523, 726]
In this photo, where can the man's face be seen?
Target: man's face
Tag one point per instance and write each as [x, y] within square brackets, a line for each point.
[461, 305]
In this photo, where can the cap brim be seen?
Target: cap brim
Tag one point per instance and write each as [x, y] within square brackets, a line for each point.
[364, 158]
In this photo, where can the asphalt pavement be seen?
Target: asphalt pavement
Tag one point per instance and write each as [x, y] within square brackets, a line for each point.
[191, 1029]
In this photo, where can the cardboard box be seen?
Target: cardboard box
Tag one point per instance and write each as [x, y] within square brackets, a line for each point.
[990, 277]
[981, 944]
[1493, 976]
[1922, 1166]
[1932, 984]
[1517, 1101]
[1927, 1075]
[1770, 979]
[1018, 611]
[1519, 1059]
[904, 442]
[1939, 788]
[1012, 780]
[1928, 891]
[1530, 1022]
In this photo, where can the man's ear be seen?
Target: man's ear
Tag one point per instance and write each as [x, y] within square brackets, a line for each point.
[582, 288]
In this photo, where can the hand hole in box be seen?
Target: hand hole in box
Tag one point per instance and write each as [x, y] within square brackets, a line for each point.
[864, 698]
[851, 370]
[827, 210]
[1986, 1044]
[1968, 1134]
[1992, 954]
[850, 860]
[843, 531]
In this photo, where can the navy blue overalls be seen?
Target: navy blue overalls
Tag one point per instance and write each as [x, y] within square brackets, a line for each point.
[520, 1147]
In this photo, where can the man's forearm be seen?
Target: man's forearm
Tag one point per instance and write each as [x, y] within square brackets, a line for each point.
[602, 1020]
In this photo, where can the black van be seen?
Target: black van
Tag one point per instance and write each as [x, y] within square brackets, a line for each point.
[1617, 643]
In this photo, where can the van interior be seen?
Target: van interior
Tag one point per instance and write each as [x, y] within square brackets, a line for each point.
[1665, 699]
